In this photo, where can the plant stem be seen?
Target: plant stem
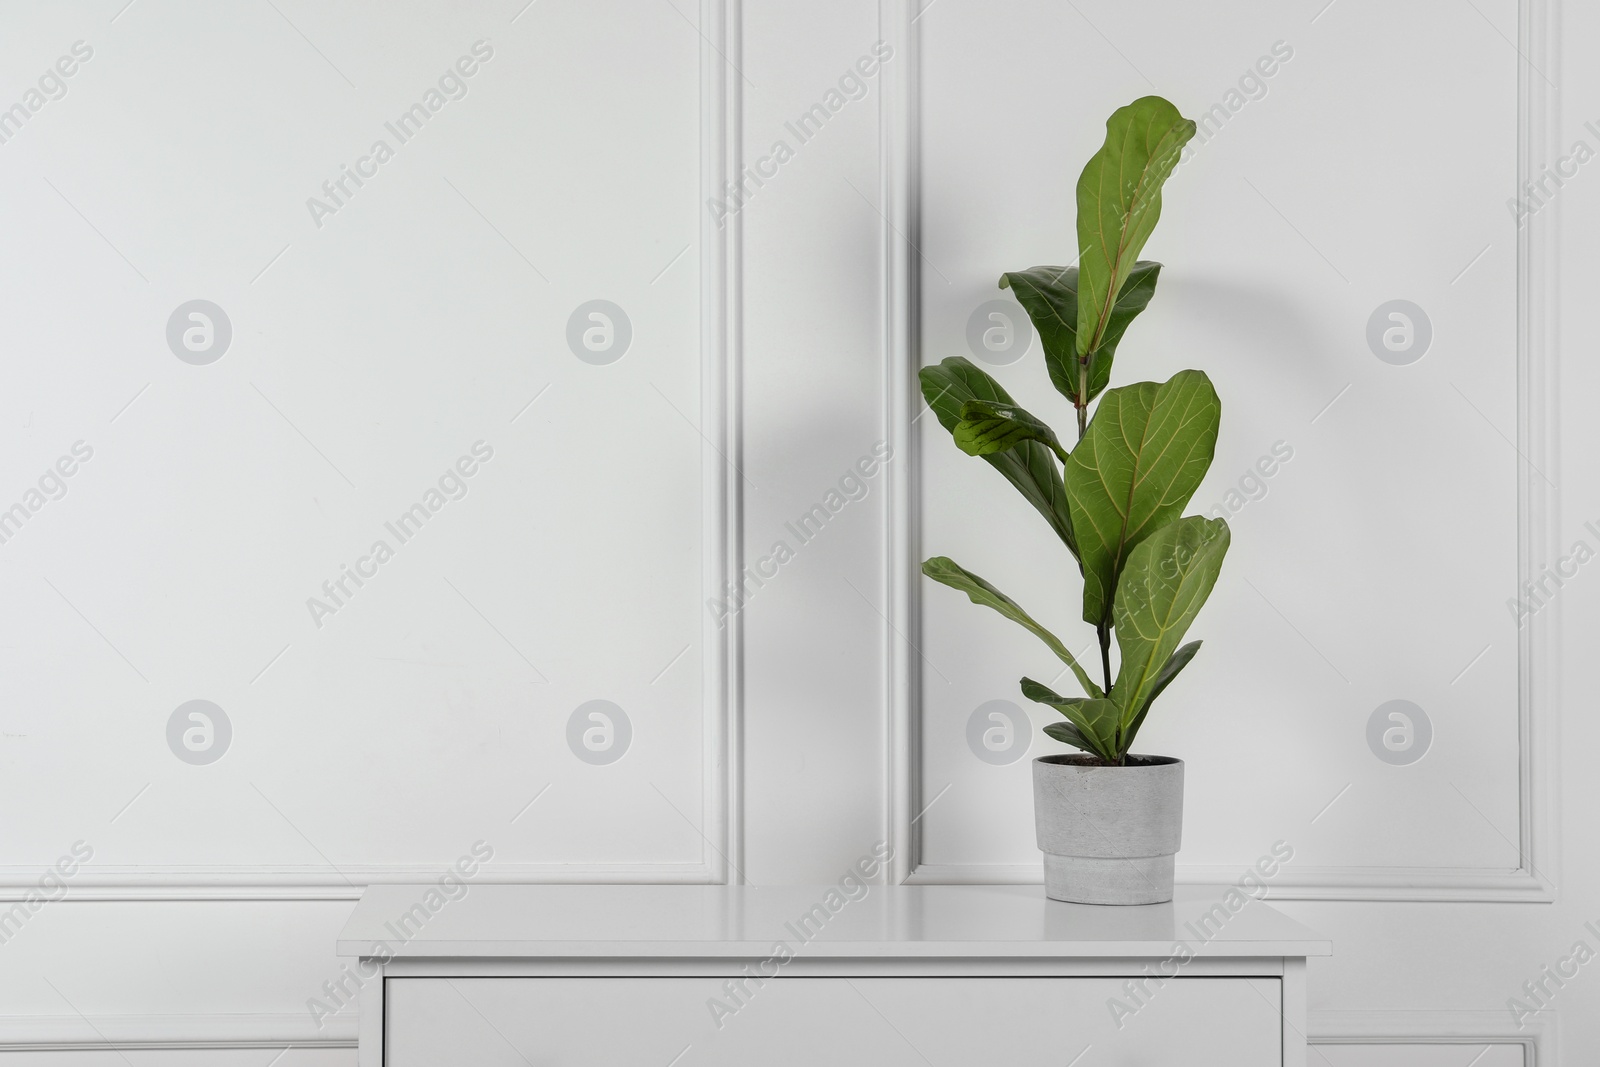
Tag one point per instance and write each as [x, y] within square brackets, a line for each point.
[1082, 402]
[1104, 632]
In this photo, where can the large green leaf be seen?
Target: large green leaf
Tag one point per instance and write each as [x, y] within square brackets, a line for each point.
[1175, 663]
[946, 571]
[987, 427]
[1119, 203]
[1093, 721]
[1029, 466]
[1166, 581]
[1144, 454]
[1050, 296]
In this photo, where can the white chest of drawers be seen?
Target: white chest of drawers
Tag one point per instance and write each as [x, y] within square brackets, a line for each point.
[920, 976]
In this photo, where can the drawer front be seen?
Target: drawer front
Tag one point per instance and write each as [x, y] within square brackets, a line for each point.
[840, 1022]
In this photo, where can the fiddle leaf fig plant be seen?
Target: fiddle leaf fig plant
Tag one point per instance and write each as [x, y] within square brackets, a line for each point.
[1116, 498]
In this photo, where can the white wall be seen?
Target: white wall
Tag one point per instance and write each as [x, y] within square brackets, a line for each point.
[370, 352]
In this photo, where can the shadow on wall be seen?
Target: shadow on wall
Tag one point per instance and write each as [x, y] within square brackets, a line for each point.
[1265, 345]
[1262, 322]
[786, 540]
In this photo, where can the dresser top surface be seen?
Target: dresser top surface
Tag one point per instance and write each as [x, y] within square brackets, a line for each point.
[703, 921]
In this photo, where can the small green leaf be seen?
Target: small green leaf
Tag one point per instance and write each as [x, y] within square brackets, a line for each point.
[1119, 203]
[1094, 720]
[1050, 296]
[987, 427]
[1044, 694]
[1165, 583]
[1144, 455]
[1065, 731]
[946, 571]
[1029, 466]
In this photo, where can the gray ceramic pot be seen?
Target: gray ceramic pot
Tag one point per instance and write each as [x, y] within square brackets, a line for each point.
[1109, 834]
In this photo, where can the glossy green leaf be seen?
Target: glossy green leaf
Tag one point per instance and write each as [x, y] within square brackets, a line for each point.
[1094, 721]
[1163, 586]
[1119, 203]
[1175, 663]
[1065, 731]
[987, 427]
[1145, 452]
[946, 571]
[1029, 466]
[1050, 296]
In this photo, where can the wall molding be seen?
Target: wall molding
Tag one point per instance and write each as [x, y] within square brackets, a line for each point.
[720, 104]
[1538, 1039]
[1534, 878]
[324, 883]
[1420, 884]
[1539, 441]
[46, 1033]
[721, 345]
[899, 193]
[20, 1033]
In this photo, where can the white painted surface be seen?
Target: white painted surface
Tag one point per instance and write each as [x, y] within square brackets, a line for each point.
[191, 140]
[405, 331]
[851, 921]
[1423, 1055]
[166, 1057]
[726, 973]
[898, 1021]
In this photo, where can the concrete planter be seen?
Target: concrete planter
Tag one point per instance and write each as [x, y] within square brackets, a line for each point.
[1109, 834]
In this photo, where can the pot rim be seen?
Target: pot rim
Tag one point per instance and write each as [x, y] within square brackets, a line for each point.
[1059, 759]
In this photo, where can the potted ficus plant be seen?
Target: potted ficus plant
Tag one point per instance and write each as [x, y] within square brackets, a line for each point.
[1109, 821]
